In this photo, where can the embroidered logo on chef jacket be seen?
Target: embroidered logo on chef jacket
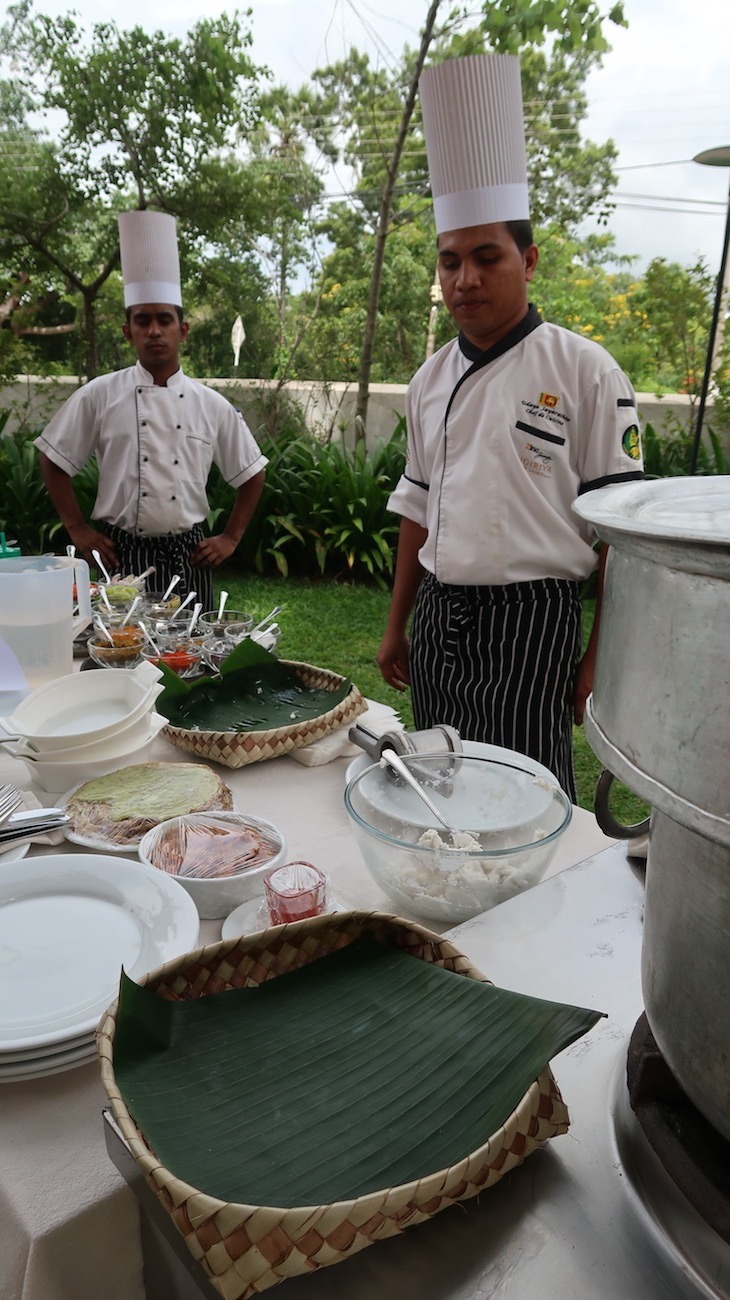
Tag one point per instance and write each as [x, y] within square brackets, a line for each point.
[631, 442]
[536, 461]
[548, 399]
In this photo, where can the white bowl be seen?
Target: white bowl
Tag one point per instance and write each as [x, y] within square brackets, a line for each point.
[57, 778]
[516, 817]
[85, 707]
[217, 895]
[124, 737]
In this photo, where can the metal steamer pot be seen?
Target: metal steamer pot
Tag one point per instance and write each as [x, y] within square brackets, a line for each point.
[659, 719]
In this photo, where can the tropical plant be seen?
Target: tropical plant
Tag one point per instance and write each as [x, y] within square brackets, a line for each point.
[669, 454]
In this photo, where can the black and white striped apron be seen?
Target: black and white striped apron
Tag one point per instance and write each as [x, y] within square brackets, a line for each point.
[498, 663]
[170, 555]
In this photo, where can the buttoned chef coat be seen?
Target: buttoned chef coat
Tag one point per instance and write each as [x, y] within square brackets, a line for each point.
[499, 447]
[154, 445]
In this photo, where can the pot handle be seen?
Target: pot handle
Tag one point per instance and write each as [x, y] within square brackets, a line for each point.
[605, 817]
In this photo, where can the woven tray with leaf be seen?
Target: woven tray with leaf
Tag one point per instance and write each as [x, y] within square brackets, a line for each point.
[259, 707]
[299, 1094]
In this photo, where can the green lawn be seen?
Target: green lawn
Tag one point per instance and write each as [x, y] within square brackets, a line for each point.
[339, 626]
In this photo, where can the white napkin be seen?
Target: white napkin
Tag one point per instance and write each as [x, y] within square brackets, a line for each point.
[29, 801]
[378, 718]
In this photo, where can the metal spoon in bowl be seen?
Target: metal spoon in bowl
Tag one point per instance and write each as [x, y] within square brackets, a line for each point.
[149, 637]
[171, 588]
[276, 610]
[101, 565]
[101, 626]
[389, 758]
[137, 601]
[197, 609]
[190, 596]
[222, 604]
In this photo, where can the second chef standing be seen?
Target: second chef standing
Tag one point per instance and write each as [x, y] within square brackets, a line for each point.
[156, 433]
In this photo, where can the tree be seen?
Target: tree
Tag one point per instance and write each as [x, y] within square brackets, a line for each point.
[147, 120]
[511, 26]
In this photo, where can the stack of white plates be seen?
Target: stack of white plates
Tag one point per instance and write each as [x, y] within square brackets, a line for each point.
[68, 925]
[84, 725]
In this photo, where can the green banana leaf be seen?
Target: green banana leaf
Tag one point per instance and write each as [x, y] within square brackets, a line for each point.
[362, 1070]
[254, 691]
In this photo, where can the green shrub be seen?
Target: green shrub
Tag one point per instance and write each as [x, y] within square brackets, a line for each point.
[669, 454]
[323, 510]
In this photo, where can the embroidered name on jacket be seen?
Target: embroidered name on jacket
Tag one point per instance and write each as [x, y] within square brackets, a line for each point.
[539, 412]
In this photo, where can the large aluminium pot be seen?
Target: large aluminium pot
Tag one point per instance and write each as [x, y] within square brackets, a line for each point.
[685, 970]
[660, 707]
[659, 718]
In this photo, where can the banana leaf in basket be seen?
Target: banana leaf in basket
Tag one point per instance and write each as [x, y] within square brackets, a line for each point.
[257, 707]
[329, 1069]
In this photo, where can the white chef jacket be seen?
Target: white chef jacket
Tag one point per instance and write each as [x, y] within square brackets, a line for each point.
[496, 456]
[154, 445]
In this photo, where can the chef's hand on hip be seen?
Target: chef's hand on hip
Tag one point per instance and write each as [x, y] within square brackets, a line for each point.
[392, 659]
[212, 551]
[87, 539]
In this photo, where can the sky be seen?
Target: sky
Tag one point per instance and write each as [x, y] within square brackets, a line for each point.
[662, 95]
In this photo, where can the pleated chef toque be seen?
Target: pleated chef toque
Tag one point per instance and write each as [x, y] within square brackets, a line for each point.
[150, 261]
[475, 140]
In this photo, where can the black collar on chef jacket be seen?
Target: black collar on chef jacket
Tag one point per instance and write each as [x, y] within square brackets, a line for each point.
[479, 357]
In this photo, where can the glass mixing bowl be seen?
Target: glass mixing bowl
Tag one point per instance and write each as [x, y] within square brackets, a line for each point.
[512, 820]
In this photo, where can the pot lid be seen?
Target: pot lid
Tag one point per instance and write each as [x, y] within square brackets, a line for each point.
[688, 509]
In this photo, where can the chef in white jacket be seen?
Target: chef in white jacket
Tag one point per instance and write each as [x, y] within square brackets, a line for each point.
[507, 425]
[155, 433]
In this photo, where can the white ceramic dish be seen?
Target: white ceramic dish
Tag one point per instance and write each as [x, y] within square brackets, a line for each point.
[51, 1063]
[30, 1056]
[51, 1067]
[84, 706]
[252, 916]
[15, 853]
[134, 731]
[215, 896]
[56, 778]
[68, 924]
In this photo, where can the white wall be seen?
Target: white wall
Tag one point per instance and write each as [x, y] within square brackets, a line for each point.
[329, 409]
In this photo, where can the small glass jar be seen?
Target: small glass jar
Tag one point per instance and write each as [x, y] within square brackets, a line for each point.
[295, 891]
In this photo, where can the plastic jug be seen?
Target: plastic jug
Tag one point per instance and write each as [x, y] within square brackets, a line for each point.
[36, 612]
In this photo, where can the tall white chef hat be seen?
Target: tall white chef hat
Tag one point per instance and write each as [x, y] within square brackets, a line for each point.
[150, 261]
[475, 140]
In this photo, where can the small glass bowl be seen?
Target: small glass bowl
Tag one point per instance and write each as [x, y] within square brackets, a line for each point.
[232, 622]
[215, 650]
[127, 651]
[183, 658]
[156, 608]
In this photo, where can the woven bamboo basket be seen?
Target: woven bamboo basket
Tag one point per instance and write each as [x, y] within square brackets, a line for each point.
[237, 748]
[245, 1249]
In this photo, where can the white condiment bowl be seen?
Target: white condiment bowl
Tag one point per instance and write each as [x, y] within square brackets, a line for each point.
[217, 895]
[517, 818]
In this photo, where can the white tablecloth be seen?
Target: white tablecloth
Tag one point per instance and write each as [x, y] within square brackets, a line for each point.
[70, 1223]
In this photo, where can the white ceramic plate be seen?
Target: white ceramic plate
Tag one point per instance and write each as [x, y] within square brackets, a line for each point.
[29, 1055]
[51, 1067]
[51, 1063]
[68, 923]
[14, 853]
[252, 916]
